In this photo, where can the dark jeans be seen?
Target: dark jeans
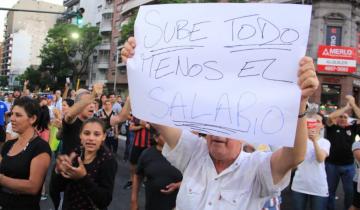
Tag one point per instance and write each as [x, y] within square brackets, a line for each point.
[112, 143]
[334, 173]
[300, 200]
[128, 144]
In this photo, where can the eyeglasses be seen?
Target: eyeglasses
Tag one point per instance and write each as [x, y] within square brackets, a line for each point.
[202, 135]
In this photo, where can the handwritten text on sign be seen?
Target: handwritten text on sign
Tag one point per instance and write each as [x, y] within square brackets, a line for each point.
[222, 69]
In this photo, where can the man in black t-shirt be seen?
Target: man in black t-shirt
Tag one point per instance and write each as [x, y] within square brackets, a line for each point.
[340, 163]
[72, 122]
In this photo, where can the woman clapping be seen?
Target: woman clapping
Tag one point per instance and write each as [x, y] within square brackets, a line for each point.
[88, 176]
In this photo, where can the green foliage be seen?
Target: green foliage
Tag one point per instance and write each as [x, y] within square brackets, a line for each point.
[63, 56]
[127, 30]
[171, 1]
[3, 81]
[34, 76]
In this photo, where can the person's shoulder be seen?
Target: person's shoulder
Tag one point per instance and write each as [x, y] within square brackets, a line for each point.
[148, 151]
[41, 142]
[324, 140]
[9, 142]
[356, 145]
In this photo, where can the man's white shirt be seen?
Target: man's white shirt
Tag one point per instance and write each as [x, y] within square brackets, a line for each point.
[246, 185]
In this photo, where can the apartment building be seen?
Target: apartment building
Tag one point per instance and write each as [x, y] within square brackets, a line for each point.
[24, 36]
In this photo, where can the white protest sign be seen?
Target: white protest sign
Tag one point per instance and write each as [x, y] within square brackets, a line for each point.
[222, 69]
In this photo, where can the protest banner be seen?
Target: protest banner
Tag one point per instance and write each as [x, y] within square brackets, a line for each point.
[223, 69]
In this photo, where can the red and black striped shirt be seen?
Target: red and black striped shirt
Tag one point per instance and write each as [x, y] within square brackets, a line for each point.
[142, 137]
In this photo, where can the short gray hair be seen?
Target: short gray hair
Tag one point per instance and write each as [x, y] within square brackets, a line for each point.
[80, 93]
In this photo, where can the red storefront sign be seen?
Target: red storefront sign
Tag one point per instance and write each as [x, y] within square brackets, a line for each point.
[358, 48]
[336, 59]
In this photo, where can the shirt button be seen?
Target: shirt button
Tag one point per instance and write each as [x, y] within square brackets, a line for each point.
[234, 201]
[190, 190]
[210, 203]
[216, 179]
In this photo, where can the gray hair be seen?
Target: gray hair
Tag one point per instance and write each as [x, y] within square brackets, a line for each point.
[79, 93]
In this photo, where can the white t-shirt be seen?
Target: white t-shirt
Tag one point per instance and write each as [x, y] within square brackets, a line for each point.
[9, 130]
[245, 185]
[356, 146]
[310, 177]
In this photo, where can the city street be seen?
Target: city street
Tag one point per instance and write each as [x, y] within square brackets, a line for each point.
[121, 197]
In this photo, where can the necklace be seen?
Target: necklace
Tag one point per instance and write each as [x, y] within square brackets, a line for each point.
[26, 146]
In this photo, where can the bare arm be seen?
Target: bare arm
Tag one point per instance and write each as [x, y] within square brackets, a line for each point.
[357, 154]
[64, 96]
[134, 127]
[26, 82]
[283, 160]
[123, 115]
[319, 153]
[38, 169]
[332, 117]
[171, 135]
[78, 107]
[287, 158]
[355, 108]
[135, 191]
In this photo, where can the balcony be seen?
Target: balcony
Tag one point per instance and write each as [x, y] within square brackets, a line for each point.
[108, 9]
[132, 4]
[105, 26]
[70, 3]
[105, 46]
[103, 65]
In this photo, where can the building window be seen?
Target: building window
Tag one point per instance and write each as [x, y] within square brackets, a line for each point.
[333, 35]
[99, 8]
[334, 26]
[330, 94]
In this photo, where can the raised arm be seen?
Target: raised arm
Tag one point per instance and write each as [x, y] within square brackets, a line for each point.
[334, 115]
[320, 154]
[66, 90]
[25, 92]
[123, 115]
[79, 106]
[284, 159]
[355, 108]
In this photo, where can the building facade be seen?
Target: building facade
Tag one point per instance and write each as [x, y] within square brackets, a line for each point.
[24, 36]
[97, 13]
[334, 23]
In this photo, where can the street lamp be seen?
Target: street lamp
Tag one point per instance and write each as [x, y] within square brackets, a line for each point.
[75, 35]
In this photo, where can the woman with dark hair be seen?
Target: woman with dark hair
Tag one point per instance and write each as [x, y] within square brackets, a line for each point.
[43, 123]
[103, 98]
[25, 160]
[66, 104]
[87, 177]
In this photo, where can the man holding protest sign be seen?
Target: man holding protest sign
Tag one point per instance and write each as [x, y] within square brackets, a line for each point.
[217, 174]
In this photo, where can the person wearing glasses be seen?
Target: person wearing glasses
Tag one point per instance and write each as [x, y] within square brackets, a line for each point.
[340, 164]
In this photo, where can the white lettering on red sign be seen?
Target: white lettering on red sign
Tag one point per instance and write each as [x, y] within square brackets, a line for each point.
[334, 51]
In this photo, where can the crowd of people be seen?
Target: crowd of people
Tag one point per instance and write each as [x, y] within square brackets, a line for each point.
[78, 131]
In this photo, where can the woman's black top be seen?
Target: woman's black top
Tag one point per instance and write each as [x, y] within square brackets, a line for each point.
[18, 167]
[95, 190]
[158, 173]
